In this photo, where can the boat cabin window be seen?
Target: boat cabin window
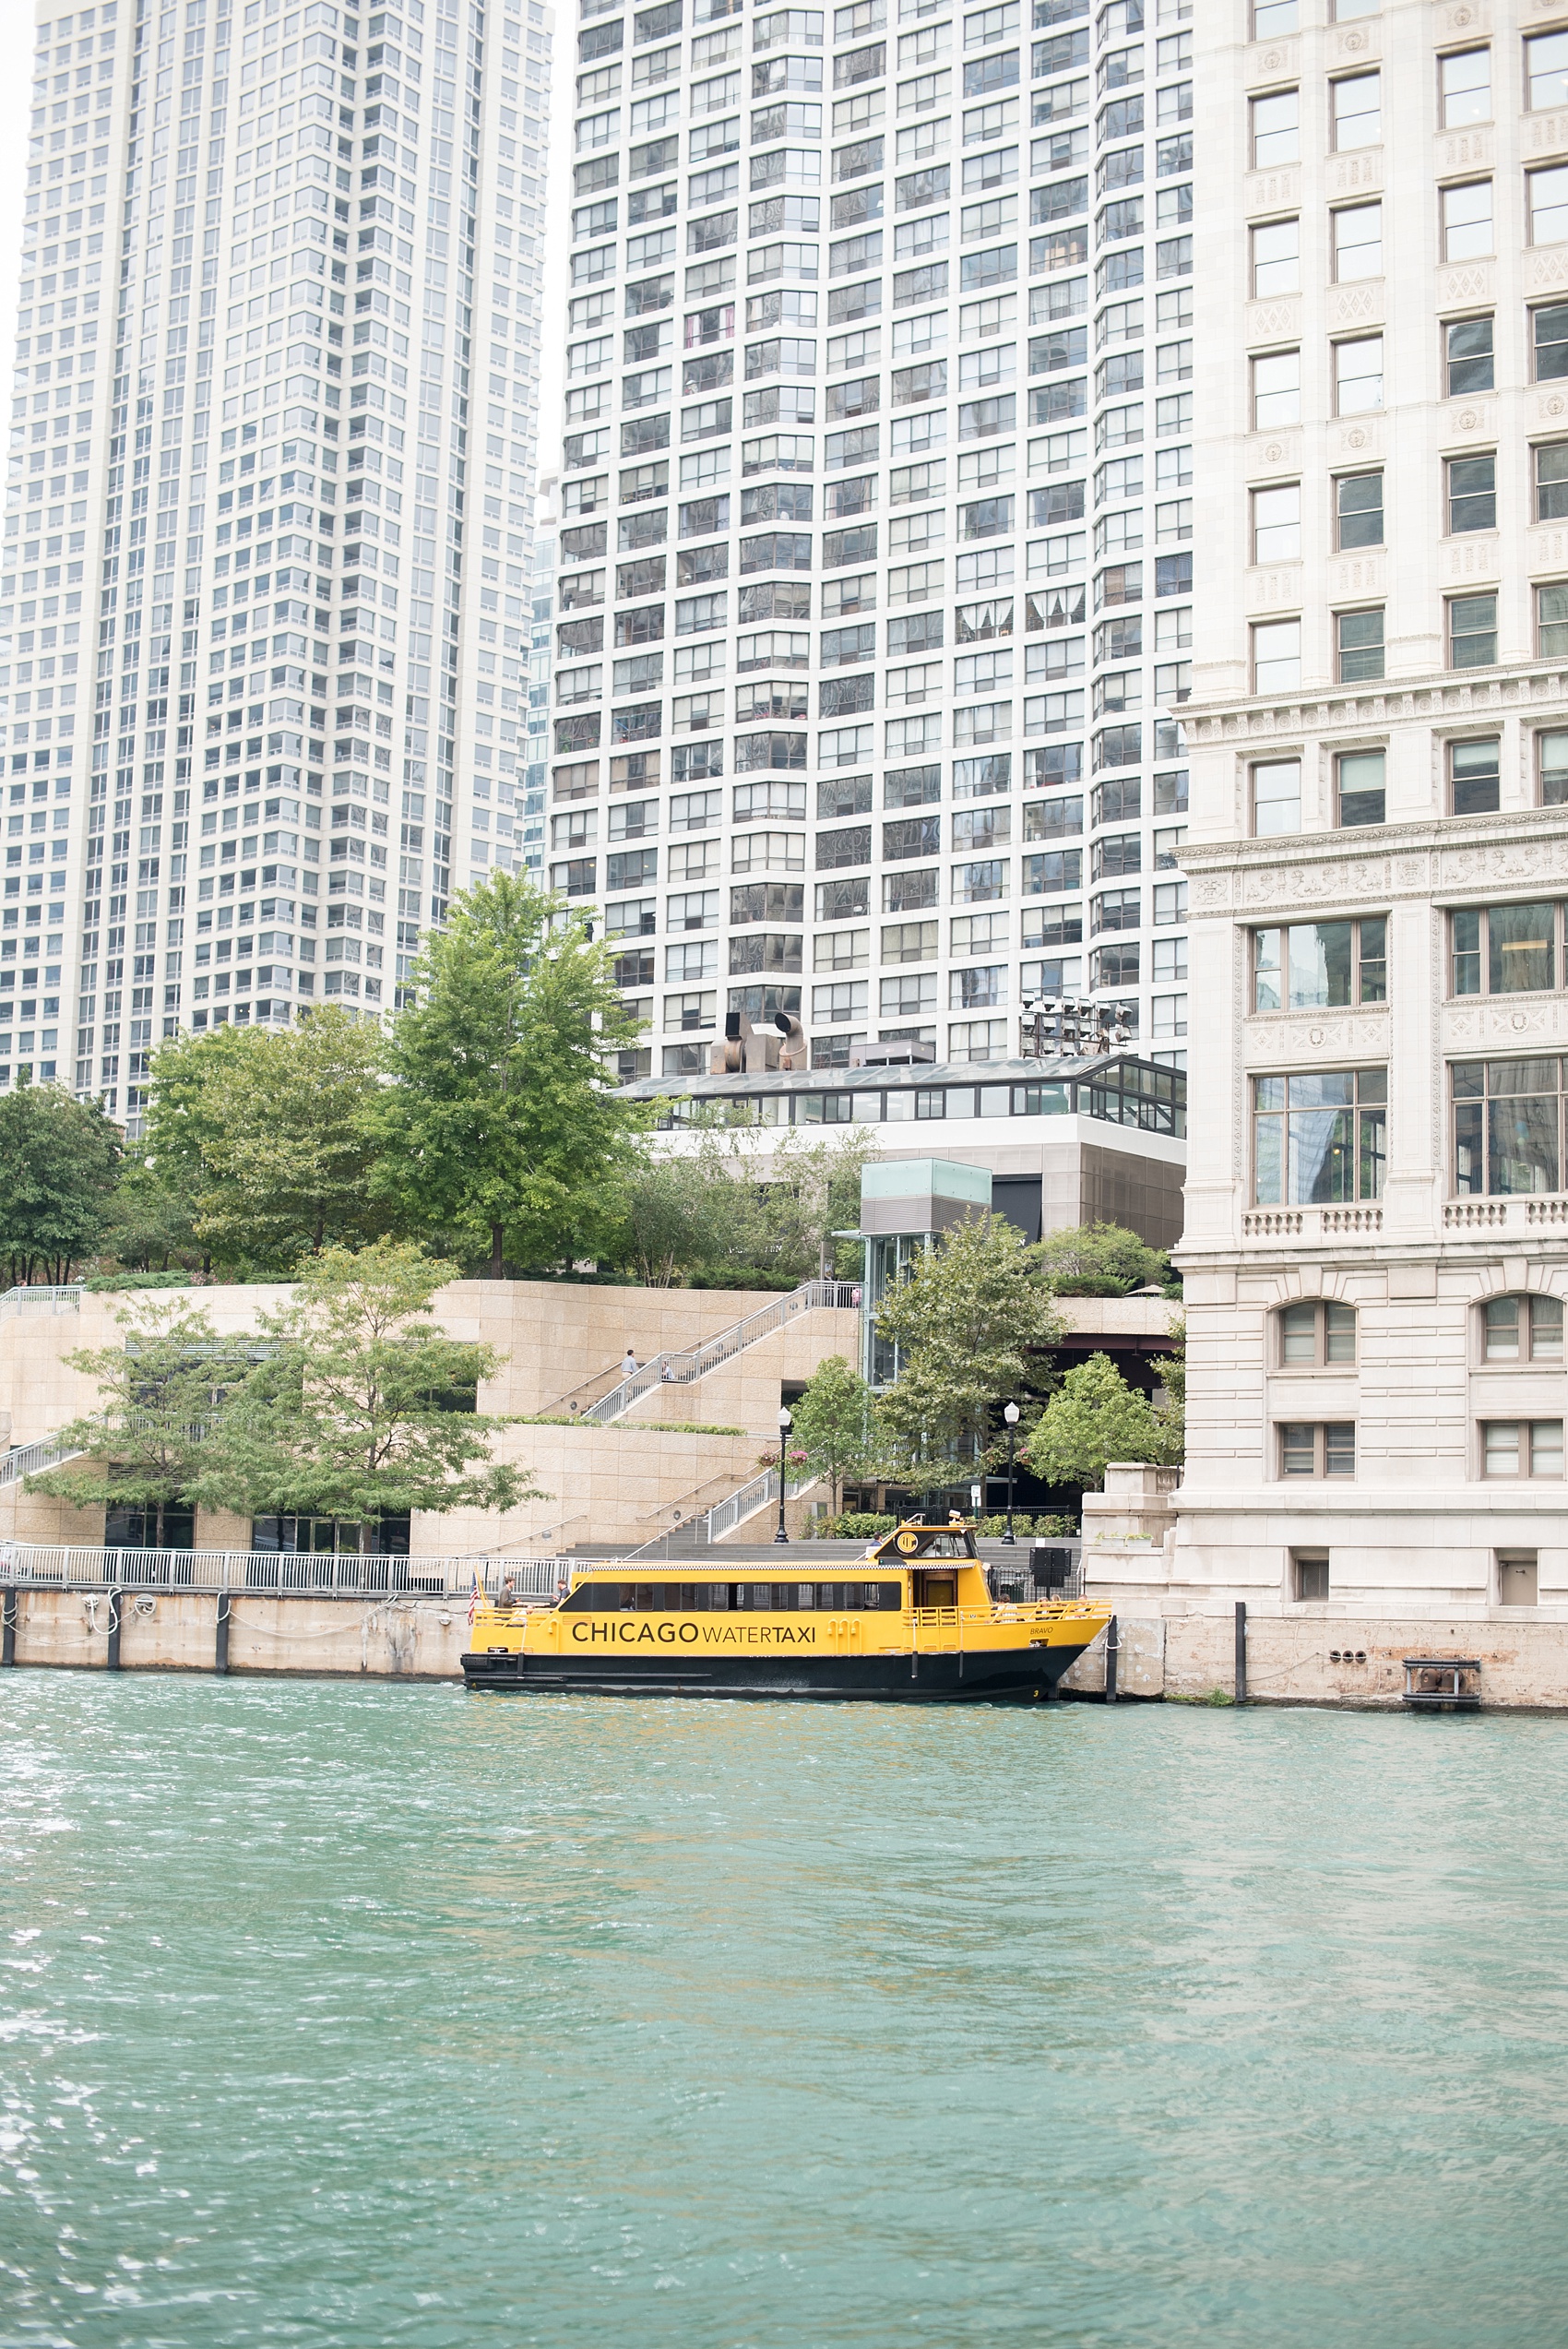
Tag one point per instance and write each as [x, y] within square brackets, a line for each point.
[761, 1598]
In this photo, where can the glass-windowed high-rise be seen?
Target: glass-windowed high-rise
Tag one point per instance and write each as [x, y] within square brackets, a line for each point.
[874, 598]
[267, 591]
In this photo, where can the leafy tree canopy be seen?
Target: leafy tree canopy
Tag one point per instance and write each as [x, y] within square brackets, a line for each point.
[1095, 1417]
[271, 1130]
[969, 1322]
[58, 1162]
[1101, 1261]
[362, 1406]
[160, 1401]
[706, 1210]
[835, 1427]
[503, 1128]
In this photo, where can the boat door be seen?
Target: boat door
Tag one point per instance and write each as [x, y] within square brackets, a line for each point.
[937, 1588]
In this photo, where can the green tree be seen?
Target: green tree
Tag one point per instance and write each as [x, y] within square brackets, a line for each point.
[360, 1406]
[158, 1414]
[505, 1127]
[1095, 1416]
[970, 1323]
[720, 1209]
[151, 1219]
[58, 1162]
[835, 1427]
[1101, 1261]
[272, 1130]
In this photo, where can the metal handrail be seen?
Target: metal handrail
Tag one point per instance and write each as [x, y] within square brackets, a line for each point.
[304, 1573]
[750, 1496]
[60, 1299]
[32, 1459]
[684, 1369]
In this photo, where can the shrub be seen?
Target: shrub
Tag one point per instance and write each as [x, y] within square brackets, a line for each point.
[115, 1280]
[854, 1525]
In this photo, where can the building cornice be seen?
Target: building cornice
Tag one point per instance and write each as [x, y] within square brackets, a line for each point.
[1443, 699]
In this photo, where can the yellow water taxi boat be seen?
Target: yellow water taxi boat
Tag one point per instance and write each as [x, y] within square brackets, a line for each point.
[912, 1620]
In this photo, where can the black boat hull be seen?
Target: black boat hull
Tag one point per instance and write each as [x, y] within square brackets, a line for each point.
[1011, 1676]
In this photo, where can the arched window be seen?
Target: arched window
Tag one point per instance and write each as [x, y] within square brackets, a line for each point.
[1522, 1330]
[1317, 1336]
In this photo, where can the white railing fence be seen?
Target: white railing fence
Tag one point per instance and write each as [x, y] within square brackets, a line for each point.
[684, 1369]
[32, 1459]
[344, 1574]
[41, 1300]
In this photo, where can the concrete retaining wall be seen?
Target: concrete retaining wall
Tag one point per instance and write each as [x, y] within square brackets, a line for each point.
[177, 1631]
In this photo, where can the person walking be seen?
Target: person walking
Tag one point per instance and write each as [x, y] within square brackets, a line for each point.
[629, 1365]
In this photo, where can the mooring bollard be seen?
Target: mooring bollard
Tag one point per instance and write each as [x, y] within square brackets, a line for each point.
[1241, 1652]
[1110, 1653]
[7, 1627]
[116, 1611]
[220, 1648]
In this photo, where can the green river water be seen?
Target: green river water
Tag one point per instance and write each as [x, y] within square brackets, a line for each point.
[367, 2014]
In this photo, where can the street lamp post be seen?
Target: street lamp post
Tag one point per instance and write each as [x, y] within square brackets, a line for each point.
[1010, 1414]
[785, 1423]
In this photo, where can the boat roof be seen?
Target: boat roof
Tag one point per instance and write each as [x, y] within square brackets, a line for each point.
[905, 1545]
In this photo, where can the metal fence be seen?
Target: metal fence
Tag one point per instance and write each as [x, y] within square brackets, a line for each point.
[684, 1369]
[316, 1573]
[32, 1459]
[1035, 1570]
[41, 1300]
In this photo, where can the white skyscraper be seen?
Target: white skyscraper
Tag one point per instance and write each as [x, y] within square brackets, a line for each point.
[873, 604]
[265, 622]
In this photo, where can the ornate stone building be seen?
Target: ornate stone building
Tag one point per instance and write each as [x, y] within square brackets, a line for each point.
[1377, 1211]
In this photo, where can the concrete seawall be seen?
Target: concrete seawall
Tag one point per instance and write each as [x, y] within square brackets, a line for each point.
[178, 1631]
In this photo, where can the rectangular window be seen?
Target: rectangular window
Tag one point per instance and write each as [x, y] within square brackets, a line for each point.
[1474, 777]
[1551, 483]
[1277, 656]
[1549, 335]
[1531, 1447]
[1551, 621]
[1358, 242]
[1465, 82]
[1357, 511]
[1272, 19]
[1277, 524]
[1327, 1449]
[1546, 71]
[1356, 111]
[1472, 633]
[1276, 129]
[1547, 195]
[1309, 1569]
[1508, 1126]
[1468, 361]
[1277, 259]
[1319, 1140]
[1522, 1330]
[1321, 966]
[1358, 787]
[1276, 389]
[1466, 221]
[1551, 768]
[1471, 484]
[1505, 949]
[1277, 796]
[1358, 638]
[1358, 375]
